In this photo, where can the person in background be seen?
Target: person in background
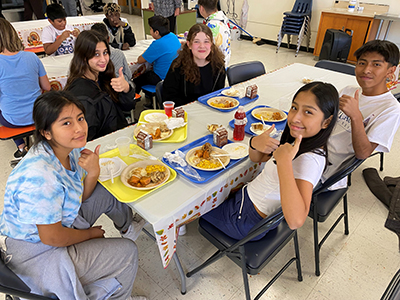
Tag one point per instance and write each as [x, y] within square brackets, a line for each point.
[369, 116]
[33, 7]
[52, 200]
[160, 53]
[293, 166]
[117, 57]
[198, 70]
[169, 9]
[219, 25]
[119, 31]
[70, 7]
[92, 80]
[58, 38]
[22, 79]
[1, 9]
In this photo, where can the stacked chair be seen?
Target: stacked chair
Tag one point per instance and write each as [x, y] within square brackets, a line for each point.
[296, 22]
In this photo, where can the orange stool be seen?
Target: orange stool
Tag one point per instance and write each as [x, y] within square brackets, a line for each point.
[7, 133]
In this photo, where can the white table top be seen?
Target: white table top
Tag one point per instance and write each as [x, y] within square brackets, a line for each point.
[274, 88]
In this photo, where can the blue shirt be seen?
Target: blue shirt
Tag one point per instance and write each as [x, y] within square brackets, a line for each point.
[41, 191]
[19, 86]
[162, 52]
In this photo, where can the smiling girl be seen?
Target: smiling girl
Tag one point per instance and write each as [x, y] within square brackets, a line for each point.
[288, 179]
[198, 70]
[51, 202]
[92, 80]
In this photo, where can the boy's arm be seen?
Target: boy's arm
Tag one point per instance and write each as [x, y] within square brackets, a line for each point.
[361, 144]
[44, 83]
[141, 60]
[50, 48]
[129, 36]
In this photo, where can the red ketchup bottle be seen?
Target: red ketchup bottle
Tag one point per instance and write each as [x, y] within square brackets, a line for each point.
[240, 123]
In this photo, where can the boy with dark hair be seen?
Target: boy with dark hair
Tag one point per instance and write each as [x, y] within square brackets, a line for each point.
[160, 53]
[58, 38]
[116, 56]
[369, 117]
[120, 33]
[219, 25]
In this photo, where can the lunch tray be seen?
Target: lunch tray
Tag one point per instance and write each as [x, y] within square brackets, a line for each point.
[179, 135]
[250, 119]
[118, 189]
[242, 101]
[207, 175]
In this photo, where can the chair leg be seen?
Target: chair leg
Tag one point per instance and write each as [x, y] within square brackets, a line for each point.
[217, 255]
[297, 251]
[346, 216]
[244, 272]
[381, 167]
[280, 37]
[316, 243]
[288, 41]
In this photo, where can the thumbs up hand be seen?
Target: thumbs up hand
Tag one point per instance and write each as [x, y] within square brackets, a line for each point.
[119, 84]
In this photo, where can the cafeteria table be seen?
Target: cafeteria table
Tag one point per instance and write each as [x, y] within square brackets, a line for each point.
[181, 200]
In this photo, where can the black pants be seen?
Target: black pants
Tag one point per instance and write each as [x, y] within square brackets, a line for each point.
[33, 6]
[172, 23]
[148, 77]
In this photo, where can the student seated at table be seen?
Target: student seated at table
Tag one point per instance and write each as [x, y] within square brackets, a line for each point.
[22, 79]
[92, 80]
[219, 25]
[117, 57]
[293, 167]
[369, 117]
[198, 70]
[160, 53]
[119, 31]
[58, 38]
[51, 202]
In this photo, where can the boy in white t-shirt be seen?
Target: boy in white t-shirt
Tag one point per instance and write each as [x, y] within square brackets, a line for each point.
[369, 117]
[58, 38]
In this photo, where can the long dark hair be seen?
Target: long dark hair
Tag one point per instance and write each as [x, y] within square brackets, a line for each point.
[185, 56]
[85, 49]
[9, 37]
[328, 102]
[47, 109]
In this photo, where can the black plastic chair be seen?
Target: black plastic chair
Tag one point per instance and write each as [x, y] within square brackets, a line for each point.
[324, 201]
[240, 72]
[252, 256]
[350, 70]
[336, 66]
[13, 286]
[392, 291]
[159, 91]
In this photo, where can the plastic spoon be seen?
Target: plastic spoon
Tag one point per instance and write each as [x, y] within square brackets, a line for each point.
[111, 173]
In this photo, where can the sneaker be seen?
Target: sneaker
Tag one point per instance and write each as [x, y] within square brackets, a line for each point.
[134, 230]
[20, 154]
[137, 298]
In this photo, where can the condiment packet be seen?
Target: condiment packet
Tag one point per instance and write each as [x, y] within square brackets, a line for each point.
[178, 162]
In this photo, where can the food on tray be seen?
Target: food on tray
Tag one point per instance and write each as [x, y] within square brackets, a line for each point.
[212, 127]
[220, 137]
[203, 158]
[223, 102]
[251, 91]
[236, 150]
[259, 128]
[144, 177]
[307, 80]
[155, 117]
[178, 112]
[144, 140]
[269, 114]
[232, 92]
[158, 131]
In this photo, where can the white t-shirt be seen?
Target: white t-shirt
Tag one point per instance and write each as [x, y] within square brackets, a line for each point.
[50, 34]
[381, 116]
[264, 190]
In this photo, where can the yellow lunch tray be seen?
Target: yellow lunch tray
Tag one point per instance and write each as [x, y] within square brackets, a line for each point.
[179, 135]
[118, 189]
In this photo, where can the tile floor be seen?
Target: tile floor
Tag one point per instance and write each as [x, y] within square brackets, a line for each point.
[358, 266]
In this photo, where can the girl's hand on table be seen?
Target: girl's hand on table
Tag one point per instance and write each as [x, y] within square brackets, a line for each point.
[287, 152]
[119, 84]
[264, 143]
[89, 161]
[96, 232]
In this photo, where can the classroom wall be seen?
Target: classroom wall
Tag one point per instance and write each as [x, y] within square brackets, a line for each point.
[265, 17]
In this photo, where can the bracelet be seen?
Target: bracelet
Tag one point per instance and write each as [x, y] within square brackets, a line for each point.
[250, 143]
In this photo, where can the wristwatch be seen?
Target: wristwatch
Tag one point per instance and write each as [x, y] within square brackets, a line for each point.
[250, 143]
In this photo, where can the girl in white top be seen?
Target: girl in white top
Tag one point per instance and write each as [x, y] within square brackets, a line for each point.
[289, 179]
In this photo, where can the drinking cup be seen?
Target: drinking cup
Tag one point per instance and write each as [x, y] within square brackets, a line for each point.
[168, 107]
[123, 144]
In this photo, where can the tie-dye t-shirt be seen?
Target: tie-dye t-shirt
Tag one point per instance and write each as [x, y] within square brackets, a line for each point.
[41, 191]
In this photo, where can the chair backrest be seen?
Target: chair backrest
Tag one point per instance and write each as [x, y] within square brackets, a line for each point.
[393, 289]
[345, 169]
[11, 284]
[336, 66]
[302, 6]
[244, 71]
[159, 91]
[397, 96]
